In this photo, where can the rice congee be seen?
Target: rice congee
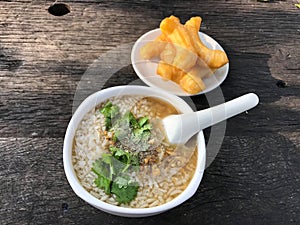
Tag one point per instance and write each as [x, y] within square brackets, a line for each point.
[121, 155]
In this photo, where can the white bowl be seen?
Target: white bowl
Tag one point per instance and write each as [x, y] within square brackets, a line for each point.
[96, 99]
[146, 69]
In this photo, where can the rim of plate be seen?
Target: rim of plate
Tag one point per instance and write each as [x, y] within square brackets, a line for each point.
[152, 79]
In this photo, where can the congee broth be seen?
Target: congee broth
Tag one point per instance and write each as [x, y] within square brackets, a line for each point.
[122, 157]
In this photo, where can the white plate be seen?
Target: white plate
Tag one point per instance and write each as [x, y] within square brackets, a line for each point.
[146, 69]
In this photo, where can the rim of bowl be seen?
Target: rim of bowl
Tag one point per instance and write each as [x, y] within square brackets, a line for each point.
[96, 99]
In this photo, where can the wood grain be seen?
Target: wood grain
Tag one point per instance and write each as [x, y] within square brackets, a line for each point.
[45, 61]
[245, 184]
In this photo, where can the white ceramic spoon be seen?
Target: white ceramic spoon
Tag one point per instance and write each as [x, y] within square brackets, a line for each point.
[180, 128]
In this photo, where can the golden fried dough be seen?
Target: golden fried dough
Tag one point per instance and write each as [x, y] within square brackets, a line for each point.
[184, 59]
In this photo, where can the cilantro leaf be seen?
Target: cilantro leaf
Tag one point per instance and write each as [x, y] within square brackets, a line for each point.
[103, 183]
[124, 190]
[122, 181]
[109, 111]
[143, 120]
[112, 171]
[107, 123]
[125, 160]
[120, 154]
[132, 120]
[103, 170]
[106, 109]
[108, 159]
[142, 133]
[100, 168]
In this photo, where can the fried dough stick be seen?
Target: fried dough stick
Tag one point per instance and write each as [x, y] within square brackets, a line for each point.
[213, 58]
[177, 34]
[191, 82]
[165, 70]
[153, 48]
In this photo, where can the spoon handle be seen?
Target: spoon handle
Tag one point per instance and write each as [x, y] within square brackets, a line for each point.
[216, 114]
[180, 128]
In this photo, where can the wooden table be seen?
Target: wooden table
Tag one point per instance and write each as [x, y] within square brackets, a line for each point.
[255, 178]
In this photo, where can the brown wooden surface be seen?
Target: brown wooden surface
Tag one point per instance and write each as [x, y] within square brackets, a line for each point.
[255, 178]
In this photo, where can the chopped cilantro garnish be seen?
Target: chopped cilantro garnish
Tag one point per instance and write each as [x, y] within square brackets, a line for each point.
[124, 159]
[125, 190]
[112, 176]
[104, 183]
[132, 132]
[130, 136]
[104, 172]
[112, 171]
[109, 111]
[142, 121]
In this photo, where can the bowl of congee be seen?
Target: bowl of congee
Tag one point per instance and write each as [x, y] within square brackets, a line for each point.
[118, 159]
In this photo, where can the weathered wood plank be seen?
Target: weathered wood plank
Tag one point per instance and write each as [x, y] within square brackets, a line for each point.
[44, 56]
[245, 184]
[255, 177]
